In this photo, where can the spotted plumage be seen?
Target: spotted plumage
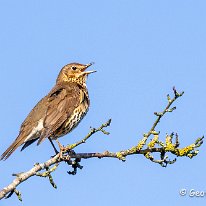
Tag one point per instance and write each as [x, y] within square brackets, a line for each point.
[59, 112]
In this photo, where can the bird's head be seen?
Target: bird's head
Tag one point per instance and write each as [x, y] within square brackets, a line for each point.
[74, 72]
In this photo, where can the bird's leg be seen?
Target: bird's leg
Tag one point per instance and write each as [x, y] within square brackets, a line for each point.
[56, 151]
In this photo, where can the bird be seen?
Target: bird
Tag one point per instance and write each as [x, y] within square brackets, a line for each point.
[59, 112]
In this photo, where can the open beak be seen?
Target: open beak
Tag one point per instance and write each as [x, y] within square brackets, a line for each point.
[86, 66]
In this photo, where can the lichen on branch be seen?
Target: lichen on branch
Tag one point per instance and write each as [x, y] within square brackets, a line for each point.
[146, 147]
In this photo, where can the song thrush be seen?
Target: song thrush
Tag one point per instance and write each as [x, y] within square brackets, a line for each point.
[57, 113]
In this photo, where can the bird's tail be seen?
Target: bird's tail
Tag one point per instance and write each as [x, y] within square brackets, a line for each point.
[11, 149]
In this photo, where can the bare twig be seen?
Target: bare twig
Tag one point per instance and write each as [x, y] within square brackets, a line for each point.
[91, 132]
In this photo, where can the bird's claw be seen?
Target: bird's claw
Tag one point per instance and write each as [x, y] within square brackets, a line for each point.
[62, 152]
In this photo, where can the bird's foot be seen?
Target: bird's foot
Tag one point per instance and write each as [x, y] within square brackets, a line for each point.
[62, 152]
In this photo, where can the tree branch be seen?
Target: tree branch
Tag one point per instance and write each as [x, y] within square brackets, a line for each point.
[143, 148]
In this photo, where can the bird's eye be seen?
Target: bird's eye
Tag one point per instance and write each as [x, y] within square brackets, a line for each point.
[74, 68]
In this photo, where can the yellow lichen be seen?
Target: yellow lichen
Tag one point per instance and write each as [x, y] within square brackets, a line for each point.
[186, 150]
[71, 146]
[148, 155]
[133, 150]
[141, 143]
[152, 143]
[120, 156]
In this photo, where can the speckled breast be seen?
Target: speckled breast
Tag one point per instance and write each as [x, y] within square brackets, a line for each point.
[74, 120]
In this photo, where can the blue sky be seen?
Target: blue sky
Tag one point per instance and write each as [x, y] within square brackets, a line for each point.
[141, 50]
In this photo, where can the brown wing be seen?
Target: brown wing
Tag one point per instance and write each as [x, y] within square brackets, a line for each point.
[62, 101]
[54, 109]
